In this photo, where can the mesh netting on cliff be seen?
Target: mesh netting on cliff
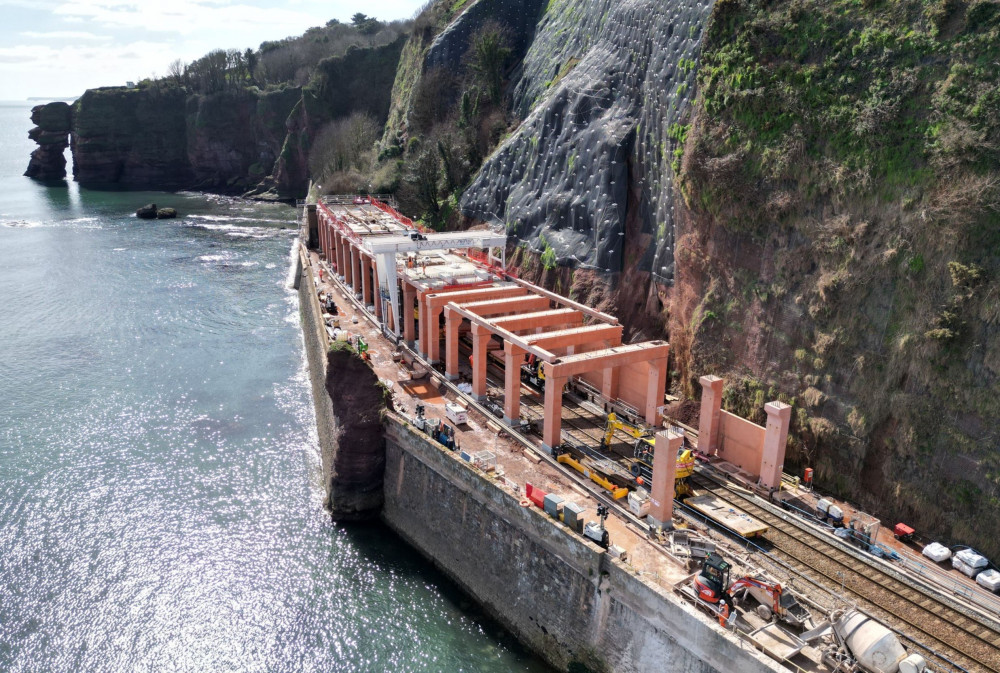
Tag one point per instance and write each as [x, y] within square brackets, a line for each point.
[605, 92]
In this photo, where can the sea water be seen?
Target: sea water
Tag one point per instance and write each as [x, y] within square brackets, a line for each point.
[160, 495]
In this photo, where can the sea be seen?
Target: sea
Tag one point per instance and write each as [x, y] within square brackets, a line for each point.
[160, 492]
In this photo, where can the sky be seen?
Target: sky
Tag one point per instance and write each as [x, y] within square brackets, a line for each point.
[55, 49]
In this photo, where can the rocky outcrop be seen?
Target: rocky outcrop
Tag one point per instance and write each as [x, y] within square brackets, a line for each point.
[53, 123]
[358, 461]
[604, 85]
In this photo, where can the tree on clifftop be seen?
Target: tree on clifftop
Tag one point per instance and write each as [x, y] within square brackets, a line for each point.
[366, 25]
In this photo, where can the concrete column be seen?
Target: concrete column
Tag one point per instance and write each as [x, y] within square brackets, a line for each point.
[377, 291]
[331, 242]
[711, 415]
[656, 386]
[480, 337]
[434, 333]
[552, 421]
[366, 280]
[341, 254]
[356, 269]
[452, 321]
[422, 313]
[348, 267]
[513, 359]
[609, 384]
[661, 492]
[409, 330]
[772, 460]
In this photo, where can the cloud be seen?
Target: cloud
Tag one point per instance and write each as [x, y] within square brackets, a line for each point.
[186, 17]
[63, 35]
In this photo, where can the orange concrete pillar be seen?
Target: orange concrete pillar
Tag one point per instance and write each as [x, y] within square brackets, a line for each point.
[409, 294]
[348, 267]
[452, 321]
[711, 414]
[513, 359]
[552, 421]
[422, 316]
[341, 255]
[377, 291]
[356, 269]
[661, 493]
[772, 460]
[480, 337]
[656, 386]
[366, 280]
[328, 244]
[434, 333]
[609, 384]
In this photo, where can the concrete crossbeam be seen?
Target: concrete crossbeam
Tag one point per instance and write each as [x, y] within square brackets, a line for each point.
[617, 356]
[577, 336]
[510, 305]
[556, 318]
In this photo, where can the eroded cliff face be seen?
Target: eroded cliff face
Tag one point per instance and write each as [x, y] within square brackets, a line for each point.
[239, 141]
[804, 198]
[359, 81]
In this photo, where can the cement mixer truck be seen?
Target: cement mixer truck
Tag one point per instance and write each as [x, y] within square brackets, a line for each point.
[863, 644]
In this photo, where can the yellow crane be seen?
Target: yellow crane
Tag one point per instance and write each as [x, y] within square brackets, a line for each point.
[643, 453]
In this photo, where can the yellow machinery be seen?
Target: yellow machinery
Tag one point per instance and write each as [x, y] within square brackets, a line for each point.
[616, 492]
[643, 453]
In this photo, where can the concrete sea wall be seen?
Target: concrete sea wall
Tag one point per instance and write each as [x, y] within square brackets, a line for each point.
[314, 335]
[560, 594]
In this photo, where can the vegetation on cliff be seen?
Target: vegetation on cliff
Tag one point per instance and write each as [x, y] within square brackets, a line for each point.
[844, 249]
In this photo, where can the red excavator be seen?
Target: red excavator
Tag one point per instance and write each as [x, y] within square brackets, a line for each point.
[711, 584]
[773, 600]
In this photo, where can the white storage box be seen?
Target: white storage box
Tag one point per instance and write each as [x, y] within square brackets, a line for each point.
[936, 551]
[638, 502]
[456, 414]
[968, 562]
[989, 578]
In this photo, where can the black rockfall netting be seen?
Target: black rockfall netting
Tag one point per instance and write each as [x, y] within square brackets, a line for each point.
[604, 92]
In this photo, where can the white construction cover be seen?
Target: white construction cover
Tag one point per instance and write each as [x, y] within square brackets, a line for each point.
[936, 551]
[990, 579]
[971, 558]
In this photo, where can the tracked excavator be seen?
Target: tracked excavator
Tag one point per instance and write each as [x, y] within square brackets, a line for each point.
[773, 600]
[643, 454]
[712, 584]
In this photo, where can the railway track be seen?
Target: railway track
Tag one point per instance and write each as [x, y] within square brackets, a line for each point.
[940, 629]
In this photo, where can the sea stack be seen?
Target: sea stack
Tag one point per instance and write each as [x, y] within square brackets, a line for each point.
[53, 122]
